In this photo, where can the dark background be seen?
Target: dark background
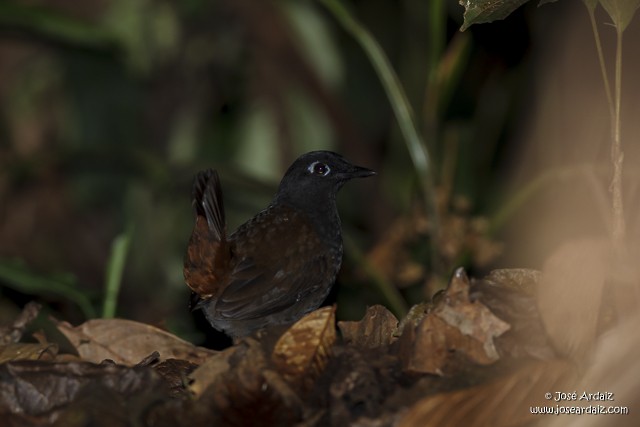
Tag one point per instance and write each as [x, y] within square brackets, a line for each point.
[109, 107]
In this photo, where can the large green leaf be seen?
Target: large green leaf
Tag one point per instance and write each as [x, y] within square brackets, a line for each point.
[482, 11]
[621, 11]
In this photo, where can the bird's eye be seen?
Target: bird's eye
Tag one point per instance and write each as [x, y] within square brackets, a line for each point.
[319, 168]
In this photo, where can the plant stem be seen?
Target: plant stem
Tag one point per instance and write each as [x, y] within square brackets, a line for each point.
[398, 100]
[21, 278]
[603, 67]
[432, 95]
[617, 156]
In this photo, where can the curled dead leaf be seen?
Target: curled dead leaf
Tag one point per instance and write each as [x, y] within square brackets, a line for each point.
[376, 329]
[302, 352]
[456, 326]
[413, 318]
[511, 295]
[13, 333]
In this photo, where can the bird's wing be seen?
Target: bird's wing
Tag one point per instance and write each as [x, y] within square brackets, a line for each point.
[261, 294]
[283, 262]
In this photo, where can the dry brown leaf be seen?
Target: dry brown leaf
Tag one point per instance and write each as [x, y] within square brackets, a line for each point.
[302, 352]
[361, 380]
[26, 351]
[376, 328]
[35, 388]
[502, 403]
[249, 393]
[471, 318]
[430, 345]
[209, 372]
[127, 342]
[413, 318]
[456, 325]
[13, 333]
[570, 294]
[511, 295]
[175, 373]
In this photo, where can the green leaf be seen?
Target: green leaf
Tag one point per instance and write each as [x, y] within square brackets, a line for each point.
[482, 11]
[620, 11]
[17, 275]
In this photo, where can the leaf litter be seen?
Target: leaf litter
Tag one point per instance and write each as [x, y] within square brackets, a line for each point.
[477, 354]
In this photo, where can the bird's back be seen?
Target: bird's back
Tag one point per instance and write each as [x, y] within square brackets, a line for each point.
[281, 269]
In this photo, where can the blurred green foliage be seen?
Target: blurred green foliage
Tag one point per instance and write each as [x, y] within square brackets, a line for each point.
[108, 109]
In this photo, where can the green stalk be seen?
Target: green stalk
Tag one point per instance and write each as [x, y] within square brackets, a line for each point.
[437, 19]
[115, 268]
[433, 95]
[618, 226]
[18, 276]
[397, 98]
[603, 67]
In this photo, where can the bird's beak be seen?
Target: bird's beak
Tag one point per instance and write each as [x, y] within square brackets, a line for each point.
[360, 172]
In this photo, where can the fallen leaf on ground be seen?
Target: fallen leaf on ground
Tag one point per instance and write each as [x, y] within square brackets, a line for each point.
[511, 295]
[250, 393]
[376, 328]
[456, 326]
[209, 372]
[175, 373]
[360, 379]
[27, 351]
[13, 333]
[302, 352]
[127, 342]
[36, 388]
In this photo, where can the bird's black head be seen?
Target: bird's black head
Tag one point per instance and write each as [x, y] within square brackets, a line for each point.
[315, 178]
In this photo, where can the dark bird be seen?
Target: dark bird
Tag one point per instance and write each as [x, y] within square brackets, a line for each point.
[279, 265]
